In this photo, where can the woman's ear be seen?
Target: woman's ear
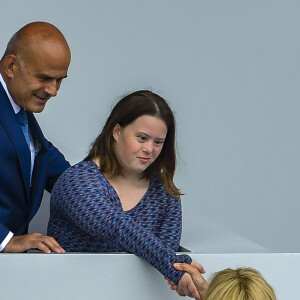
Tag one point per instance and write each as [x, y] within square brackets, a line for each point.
[116, 132]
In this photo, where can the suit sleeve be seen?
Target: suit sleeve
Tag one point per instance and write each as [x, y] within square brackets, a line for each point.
[4, 231]
[57, 164]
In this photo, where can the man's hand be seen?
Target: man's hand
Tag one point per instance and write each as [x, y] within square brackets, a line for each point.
[199, 267]
[39, 241]
[195, 272]
[186, 287]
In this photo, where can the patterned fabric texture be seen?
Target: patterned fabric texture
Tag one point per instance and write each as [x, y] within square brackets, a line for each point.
[86, 215]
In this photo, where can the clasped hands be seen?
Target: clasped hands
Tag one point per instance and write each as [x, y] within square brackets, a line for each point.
[192, 283]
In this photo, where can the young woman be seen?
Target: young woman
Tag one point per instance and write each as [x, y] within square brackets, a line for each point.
[122, 196]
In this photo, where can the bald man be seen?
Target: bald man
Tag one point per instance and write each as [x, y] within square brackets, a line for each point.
[32, 68]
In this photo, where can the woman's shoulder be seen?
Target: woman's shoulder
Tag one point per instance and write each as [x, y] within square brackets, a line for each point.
[82, 169]
[84, 166]
[84, 174]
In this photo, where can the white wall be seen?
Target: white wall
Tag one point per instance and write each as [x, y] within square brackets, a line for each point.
[108, 276]
[229, 69]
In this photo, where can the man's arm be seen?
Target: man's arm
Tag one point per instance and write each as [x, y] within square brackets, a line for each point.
[11, 243]
[6, 241]
[57, 164]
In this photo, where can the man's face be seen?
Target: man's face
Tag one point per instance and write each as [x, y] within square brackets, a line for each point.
[37, 76]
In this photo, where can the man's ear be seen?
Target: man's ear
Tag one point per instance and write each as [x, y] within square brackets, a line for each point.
[116, 132]
[10, 64]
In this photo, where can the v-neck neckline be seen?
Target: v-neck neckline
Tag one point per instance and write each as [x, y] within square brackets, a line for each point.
[114, 192]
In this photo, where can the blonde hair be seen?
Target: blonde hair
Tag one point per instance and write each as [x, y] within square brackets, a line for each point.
[239, 284]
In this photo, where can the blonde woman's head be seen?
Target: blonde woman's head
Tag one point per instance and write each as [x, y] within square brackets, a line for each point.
[239, 284]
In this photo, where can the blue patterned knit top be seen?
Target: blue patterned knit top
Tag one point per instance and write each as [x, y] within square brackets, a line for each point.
[86, 215]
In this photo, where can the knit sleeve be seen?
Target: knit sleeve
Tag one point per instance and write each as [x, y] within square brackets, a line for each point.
[171, 226]
[83, 200]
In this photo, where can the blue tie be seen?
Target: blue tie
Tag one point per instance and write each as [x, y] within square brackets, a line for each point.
[23, 121]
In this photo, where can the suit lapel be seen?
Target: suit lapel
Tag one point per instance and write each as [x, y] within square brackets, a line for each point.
[14, 131]
[40, 165]
[36, 131]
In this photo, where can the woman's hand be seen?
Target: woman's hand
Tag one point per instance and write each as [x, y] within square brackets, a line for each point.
[194, 270]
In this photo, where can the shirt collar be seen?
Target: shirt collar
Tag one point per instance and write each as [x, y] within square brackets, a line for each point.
[15, 107]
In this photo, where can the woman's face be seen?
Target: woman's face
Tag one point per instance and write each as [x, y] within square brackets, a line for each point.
[138, 144]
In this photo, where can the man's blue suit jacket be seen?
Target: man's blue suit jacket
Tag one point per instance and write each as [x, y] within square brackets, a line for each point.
[18, 201]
